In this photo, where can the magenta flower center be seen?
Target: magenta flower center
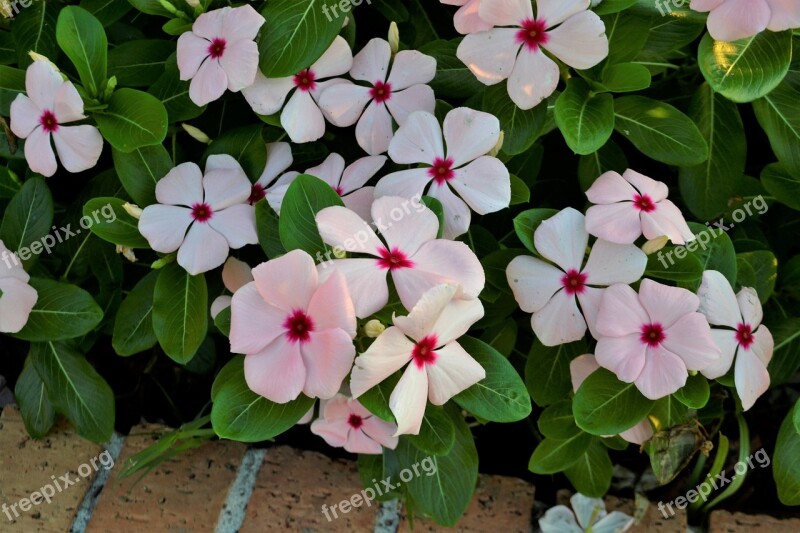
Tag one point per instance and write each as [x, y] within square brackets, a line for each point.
[424, 351]
[653, 335]
[339, 190]
[574, 282]
[744, 335]
[217, 48]
[381, 92]
[298, 327]
[355, 421]
[642, 202]
[533, 34]
[202, 212]
[394, 259]
[48, 121]
[305, 80]
[442, 170]
[257, 193]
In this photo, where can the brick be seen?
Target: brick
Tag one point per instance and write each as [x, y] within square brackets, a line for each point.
[652, 521]
[185, 493]
[725, 522]
[26, 465]
[500, 504]
[292, 487]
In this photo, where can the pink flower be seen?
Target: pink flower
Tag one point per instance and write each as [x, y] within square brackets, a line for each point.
[654, 338]
[743, 335]
[467, 18]
[235, 275]
[399, 95]
[347, 182]
[279, 158]
[17, 298]
[552, 293]
[297, 333]
[301, 117]
[412, 255]
[438, 367]
[514, 51]
[347, 424]
[482, 181]
[213, 209]
[52, 102]
[581, 368]
[219, 53]
[631, 205]
[731, 20]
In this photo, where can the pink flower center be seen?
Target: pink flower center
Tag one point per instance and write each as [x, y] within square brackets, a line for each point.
[642, 202]
[381, 92]
[653, 335]
[305, 80]
[48, 121]
[574, 282]
[442, 170]
[533, 33]
[744, 335]
[423, 352]
[298, 327]
[217, 48]
[202, 212]
[355, 421]
[339, 190]
[393, 260]
[257, 193]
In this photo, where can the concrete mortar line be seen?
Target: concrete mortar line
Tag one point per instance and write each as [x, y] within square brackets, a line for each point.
[388, 519]
[231, 517]
[86, 508]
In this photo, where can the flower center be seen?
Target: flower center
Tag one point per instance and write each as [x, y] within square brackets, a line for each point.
[381, 92]
[298, 327]
[744, 335]
[305, 80]
[653, 335]
[442, 170]
[257, 193]
[355, 421]
[533, 33]
[339, 190]
[48, 121]
[574, 282]
[642, 202]
[202, 212]
[393, 260]
[216, 48]
[423, 352]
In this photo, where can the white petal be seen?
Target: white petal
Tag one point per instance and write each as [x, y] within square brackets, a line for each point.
[202, 250]
[557, 11]
[374, 130]
[371, 64]
[390, 351]
[279, 158]
[336, 60]
[24, 116]
[484, 184]
[340, 227]
[490, 55]
[559, 321]
[78, 147]
[533, 282]
[580, 41]
[408, 400]
[164, 226]
[237, 224]
[415, 98]
[506, 12]
[183, 185]
[404, 224]
[419, 140]
[611, 263]
[717, 300]
[302, 119]
[209, 83]
[534, 78]
[411, 68]
[267, 95]
[453, 371]
[562, 239]
[39, 153]
[457, 214]
[751, 306]
[344, 103]
[41, 84]
[469, 134]
[357, 174]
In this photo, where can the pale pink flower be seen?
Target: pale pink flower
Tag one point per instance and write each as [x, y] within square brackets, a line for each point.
[742, 336]
[347, 182]
[347, 424]
[731, 20]
[235, 275]
[296, 332]
[467, 19]
[552, 292]
[425, 340]
[412, 255]
[279, 158]
[220, 53]
[581, 368]
[653, 338]
[396, 96]
[17, 298]
[481, 181]
[513, 49]
[213, 208]
[631, 205]
[52, 102]
[301, 116]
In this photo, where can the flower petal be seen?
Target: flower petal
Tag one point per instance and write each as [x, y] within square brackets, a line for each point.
[690, 339]
[360, 202]
[533, 282]
[665, 304]
[452, 260]
[557, 11]
[357, 174]
[39, 153]
[506, 12]
[785, 14]
[621, 313]
[16, 302]
[751, 378]
[209, 83]
[457, 214]
[408, 400]
[335, 432]
[407, 101]
[590, 300]
[240, 63]
[581, 368]
[484, 185]
[277, 372]
[405, 224]
[580, 41]
[343, 104]
[562, 239]
[624, 356]
[366, 283]
[78, 147]
[192, 52]
[236, 274]
[663, 374]
[453, 372]
[267, 95]
[534, 78]
[717, 300]
[618, 223]
[254, 323]
[559, 321]
[331, 306]
[667, 220]
[725, 340]
[610, 188]
[330, 170]
[336, 60]
[371, 64]
[302, 119]
[68, 104]
[390, 351]
[328, 358]
[203, 249]
[24, 116]
[164, 226]
[611, 263]
[374, 129]
[209, 24]
[469, 134]
[738, 19]
[380, 431]
[183, 185]
[405, 183]
[763, 344]
[242, 23]
[237, 224]
[638, 434]
[340, 227]
[279, 158]
[287, 282]
[41, 84]
[411, 68]
[750, 306]
[419, 140]
[468, 20]
[490, 55]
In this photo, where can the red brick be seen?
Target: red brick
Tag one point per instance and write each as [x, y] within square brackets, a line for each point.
[652, 521]
[725, 522]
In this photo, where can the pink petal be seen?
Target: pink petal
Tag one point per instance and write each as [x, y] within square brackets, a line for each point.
[785, 14]
[359, 442]
[209, 24]
[624, 356]
[240, 63]
[39, 153]
[380, 431]
[371, 64]
[457, 214]
[611, 263]
[581, 368]
[360, 202]
[266, 96]
[469, 134]
[490, 55]
[506, 12]
[559, 321]
[638, 434]
[302, 119]
[41, 84]
[225, 183]
[202, 250]
[78, 147]
[557, 11]
[287, 282]
[763, 344]
[237, 224]
[16, 303]
[336, 60]
[484, 185]
[690, 339]
[453, 260]
[533, 282]
[331, 306]
[279, 158]
[24, 116]
[254, 322]
[750, 306]
[183, 185]
[334, 432]
[209, 83]
[343, 104]
[590, 300]
[534, 78]
[236, 274]
[663, 374]
[383, 358]
[666, 220]
[621, 313]
[164, 226]
[405, 183]
[665, 304]
[359, 173]
[618, 223]
[751, 378]
[610, 188]
[656, 190]
[415, 98]
[323, 86]
[192, 52]
[69, 104]
[277, 372]
[563, 239]
[242, 23]
[411, 68]
[365, 281]
[705, 5]
[467, 19]
[439, 313]
[374, 130]
[419, 140]
[453, 372]
[14, 269]
[330, 170]
[725, 341]
[340, 227]
[408, 400]
[580, 41]
[717, 301]
[738, 19]
[328, 358]
[404, 224]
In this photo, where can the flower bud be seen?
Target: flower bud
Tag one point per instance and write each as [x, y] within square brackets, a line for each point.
[374, 328]
[339, 253]
[127, 253]
[133, 210]
[394, 37]
[5, 9]
[39, 57]
[654, 245]
[196, 134]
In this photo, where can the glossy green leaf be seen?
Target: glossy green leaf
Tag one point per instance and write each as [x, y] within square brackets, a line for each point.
[132, 120]
[38, 413]
[62, 312]
[108, 220]
[82, 38]
[140, 170]
[133, 327]
[604, 405]
[586, 120]
[305, 197]
[180, 312]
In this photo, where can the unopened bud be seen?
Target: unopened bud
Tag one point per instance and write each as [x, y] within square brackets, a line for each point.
[394, 37]
[374, 328]
[339, 253]
[39, 57]
[127, 253]
[193, 3]
[5, 9]
[133, 210]
[196, 134]
[499, 146]
[654, 245]
[170, 7]
[164, 261]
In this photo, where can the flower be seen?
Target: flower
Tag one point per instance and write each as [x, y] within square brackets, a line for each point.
[550, 292]
[17, 298]
[743, 335]
[591, 516]
[347, 182]
[514, 51]
[412, 255]
[212, 207]
[467, 18]
[731, 20]
[399, 95]
[482, 181]
[631, 205]
[296, 332]
[219, 52]
[279, 158]
[301, 117]
[425, 340]
[50, 103]
[235, 275]
[347, 424]
[654, 338]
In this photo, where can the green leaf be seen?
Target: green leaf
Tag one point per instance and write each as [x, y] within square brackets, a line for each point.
[627, 33]
[246, 146]
[180, 312]
[62, 312]
[525, 225]
[133, 327]
[12, 84]
[604, 405]
[586, 120]
[547, 371]
[35, 406]
[116, 225]
[674, 263]
[305, 197]
[552, 456]
[139, 63]
[133, 119]
[613, 6]
[557, 421]
[28, 217]
[140, 170]
[786, 357]
[106, 11]
[376, 399]
[609, 157]
[746, 70]
[660, 131]
[778, 114]
[453, 78]
[759, 270]
[591, 473]
[520, 127]
[267, 224]
[76, 389]
[786, 460]
[520, 193]
[437, 433]
[153, 7]
[626, 77]
[173, 93]
[35, 30]
[785, 187]
[81, 36]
